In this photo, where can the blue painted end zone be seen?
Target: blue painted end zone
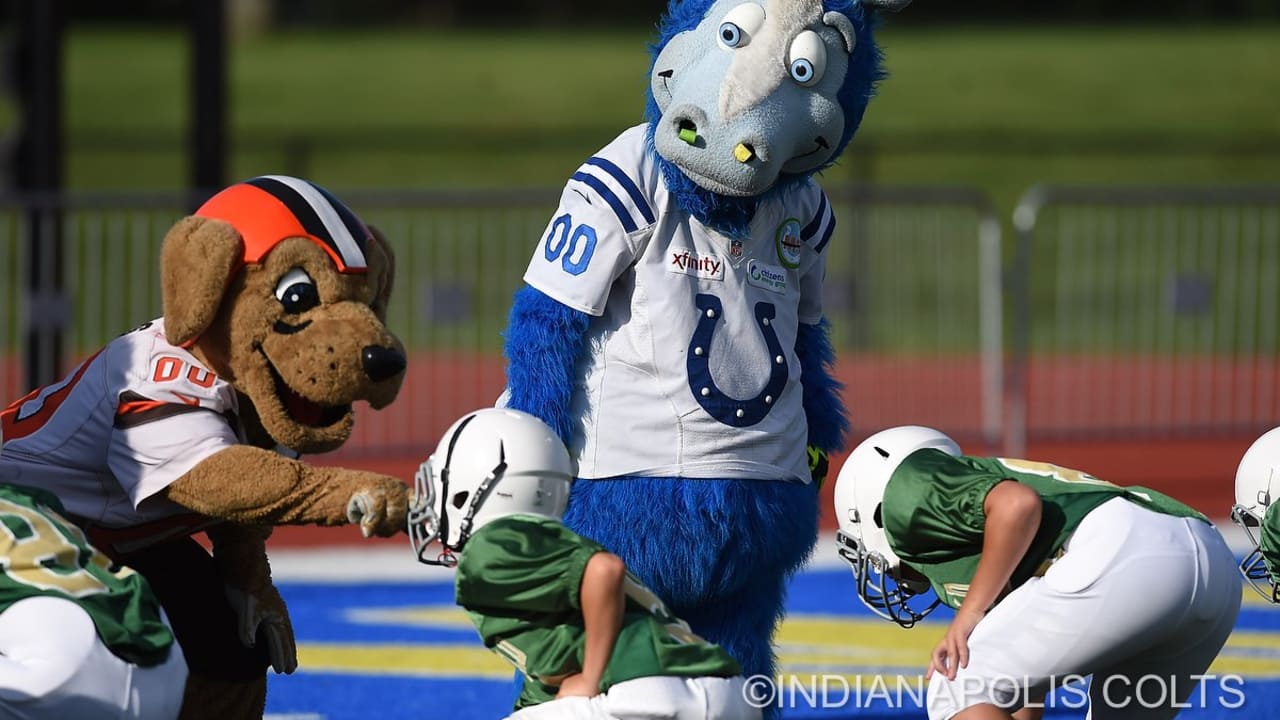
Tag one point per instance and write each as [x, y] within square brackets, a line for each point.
[400, 649]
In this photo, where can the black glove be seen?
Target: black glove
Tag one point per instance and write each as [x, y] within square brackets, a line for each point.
[817, 465]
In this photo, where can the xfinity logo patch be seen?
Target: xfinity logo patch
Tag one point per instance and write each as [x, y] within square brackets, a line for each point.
[770, 277]
[707, 267]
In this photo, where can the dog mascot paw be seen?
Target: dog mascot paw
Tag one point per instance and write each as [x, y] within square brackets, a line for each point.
[275, 296]
[671, 327]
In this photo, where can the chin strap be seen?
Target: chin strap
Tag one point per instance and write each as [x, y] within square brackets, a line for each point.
[482, 492]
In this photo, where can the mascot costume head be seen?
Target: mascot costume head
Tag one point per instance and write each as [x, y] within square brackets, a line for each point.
[671, 326]
[746, 98]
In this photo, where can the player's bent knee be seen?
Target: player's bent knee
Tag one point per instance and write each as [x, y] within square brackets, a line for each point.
[25, 630]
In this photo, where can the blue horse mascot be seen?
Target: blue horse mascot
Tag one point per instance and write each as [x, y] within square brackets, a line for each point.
[670, 329]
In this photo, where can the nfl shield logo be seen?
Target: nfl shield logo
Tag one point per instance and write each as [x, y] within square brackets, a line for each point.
[735, 248]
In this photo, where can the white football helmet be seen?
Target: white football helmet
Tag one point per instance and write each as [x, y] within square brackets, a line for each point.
[491, 463]
[861, 539]
[1257, 485]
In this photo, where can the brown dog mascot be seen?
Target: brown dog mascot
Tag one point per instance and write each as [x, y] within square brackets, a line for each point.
[275, 296]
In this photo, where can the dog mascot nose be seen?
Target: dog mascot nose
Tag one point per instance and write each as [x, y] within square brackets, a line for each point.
[381, 363]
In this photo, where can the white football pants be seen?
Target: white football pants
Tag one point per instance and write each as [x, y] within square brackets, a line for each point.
[653, 698]
[1140, 600]
[53, 666]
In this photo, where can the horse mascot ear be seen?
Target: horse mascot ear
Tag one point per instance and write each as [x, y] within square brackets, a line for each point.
[671, 328]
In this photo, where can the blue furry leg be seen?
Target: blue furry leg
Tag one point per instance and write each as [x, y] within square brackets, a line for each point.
[718, 552]
[743, 623]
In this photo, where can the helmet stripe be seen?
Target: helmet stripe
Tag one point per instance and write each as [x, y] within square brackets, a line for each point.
[319, 215]
[355, 227]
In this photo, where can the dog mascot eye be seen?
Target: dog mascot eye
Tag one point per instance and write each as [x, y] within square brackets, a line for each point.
[297, 292]
[740, 24]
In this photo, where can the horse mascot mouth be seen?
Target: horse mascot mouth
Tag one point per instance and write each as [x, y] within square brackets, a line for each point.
[671, 330]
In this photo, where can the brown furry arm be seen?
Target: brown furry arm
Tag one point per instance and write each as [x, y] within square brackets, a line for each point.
[241, 554]
[253, 486]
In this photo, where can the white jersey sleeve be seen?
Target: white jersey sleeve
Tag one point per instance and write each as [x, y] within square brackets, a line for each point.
[815, 234]
[172, 412]
[120, 428]
[606, 214]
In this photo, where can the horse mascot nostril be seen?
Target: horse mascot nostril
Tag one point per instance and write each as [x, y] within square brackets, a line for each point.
[671, 327]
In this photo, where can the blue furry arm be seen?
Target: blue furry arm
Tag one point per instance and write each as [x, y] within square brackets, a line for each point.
[823, 410]
[542, 344]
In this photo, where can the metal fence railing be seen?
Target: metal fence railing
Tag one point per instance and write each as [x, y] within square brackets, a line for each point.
[913, 294]
[1145, 312]
[13, 308]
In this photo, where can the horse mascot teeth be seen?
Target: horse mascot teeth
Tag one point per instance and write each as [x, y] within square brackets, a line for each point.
[671, 329]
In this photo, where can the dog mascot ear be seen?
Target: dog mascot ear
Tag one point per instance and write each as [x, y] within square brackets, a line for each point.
[671, 327]
[197, 261]
[382, 265]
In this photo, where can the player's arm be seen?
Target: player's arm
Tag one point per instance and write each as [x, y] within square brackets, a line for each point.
[1012, 512]
[602, 601]
[1013, 517]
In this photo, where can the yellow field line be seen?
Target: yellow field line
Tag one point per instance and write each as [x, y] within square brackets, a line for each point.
[857, 649]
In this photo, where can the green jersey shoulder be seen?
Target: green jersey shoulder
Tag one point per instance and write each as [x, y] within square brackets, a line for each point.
[933, 513]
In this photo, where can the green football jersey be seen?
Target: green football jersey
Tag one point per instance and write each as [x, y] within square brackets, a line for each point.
[934, 519]
[519, 578]
[1269, 541]
[43, 553]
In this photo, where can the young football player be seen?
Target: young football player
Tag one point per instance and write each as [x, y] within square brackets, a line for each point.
[591, 641]
[1257, 483]
[79, 636]
[1053, 573]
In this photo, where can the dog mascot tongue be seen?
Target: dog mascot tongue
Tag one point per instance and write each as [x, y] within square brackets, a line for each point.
[671, 327]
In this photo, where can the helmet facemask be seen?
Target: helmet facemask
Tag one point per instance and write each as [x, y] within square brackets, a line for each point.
[428, 520]
[1254, 566]
[879, 582]
[425, 524]
[1257, 482]
[862, 539]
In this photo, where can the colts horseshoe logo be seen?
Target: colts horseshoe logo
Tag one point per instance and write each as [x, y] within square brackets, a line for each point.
[729, 410]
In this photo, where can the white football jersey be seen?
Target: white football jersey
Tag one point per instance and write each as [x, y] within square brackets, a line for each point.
[690, 366]
[118, 429]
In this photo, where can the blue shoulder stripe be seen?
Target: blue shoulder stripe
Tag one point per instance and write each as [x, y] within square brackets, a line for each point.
[826, 236]
[812, 227]
[628, 223]
[627, 184]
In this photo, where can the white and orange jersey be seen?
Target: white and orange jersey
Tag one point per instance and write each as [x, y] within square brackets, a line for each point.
[118, 429]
